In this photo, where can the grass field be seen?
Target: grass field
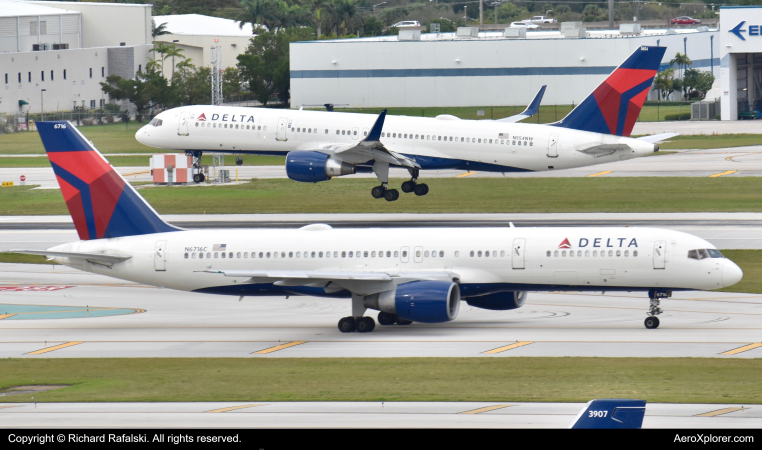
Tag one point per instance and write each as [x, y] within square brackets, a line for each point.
[667, 380]
[711, 141]
[452, 195]
[18, 258]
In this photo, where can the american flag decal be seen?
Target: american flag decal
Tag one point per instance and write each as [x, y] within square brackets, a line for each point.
[503, 135]
[219, 247]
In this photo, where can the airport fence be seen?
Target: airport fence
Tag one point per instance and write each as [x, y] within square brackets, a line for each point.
[19, 123]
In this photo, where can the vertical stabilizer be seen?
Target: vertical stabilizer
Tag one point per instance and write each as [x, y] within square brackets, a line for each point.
[611, 414]
[614, 106]
[102, 204]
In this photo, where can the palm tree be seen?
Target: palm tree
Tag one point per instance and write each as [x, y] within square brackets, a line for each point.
[173, 51]
[346, 15]
[290, 15]
[663, 82]
[152, 64]
[682, 62]
[160, 30]
[258, 13]
[316, 10]
[161, 48]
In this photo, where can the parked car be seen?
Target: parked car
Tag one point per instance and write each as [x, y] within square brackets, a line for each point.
[407, 23]
[685, 20]
[528, 26]
[540, 19]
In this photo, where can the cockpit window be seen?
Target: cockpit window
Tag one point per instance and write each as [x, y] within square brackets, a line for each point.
[704, 253]
[155, 122]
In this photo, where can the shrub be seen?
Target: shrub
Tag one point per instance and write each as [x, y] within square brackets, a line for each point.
[681, 116]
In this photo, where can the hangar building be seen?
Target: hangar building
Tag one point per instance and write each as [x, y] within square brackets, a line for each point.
[54, 54]
[741, 54]
[478, 68]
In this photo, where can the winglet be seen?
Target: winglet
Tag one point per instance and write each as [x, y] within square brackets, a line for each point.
[531, 110]
[375, 132]
[611, 414]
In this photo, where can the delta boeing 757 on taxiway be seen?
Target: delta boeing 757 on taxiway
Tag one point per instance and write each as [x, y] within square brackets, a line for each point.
[409, 275]
[320, 145]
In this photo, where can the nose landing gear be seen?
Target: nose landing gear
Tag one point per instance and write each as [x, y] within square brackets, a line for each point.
[652, 322]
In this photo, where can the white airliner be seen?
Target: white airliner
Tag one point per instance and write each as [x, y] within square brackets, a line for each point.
[319, 145]
[409, 275]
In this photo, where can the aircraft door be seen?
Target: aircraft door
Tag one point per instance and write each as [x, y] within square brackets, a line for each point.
[418, 255]
[660, 253]
[282, 133]
[553, 146]
[183, 126]
[355, 133]
[160, 256]
[517, 255]
[404, 257]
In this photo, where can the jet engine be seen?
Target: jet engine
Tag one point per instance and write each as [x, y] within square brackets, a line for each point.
[311, 167]
[419, 301]
[499, 301]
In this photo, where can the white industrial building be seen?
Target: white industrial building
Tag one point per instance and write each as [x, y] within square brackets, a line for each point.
[472, 68]
[197, 34]
[55, 54]
[741, 55]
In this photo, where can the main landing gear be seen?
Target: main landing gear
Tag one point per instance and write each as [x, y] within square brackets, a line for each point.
[359, 324]
[408, 186]
[381, 191]
[652, 322]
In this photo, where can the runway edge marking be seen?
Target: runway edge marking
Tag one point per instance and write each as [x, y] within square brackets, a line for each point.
[507, 347]
[745, 348]
[54, 348]
[233, 408]
[279, 347]
[722, 174]
[485, 409]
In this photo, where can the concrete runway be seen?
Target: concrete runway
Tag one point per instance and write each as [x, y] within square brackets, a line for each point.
[358, 415]
[733, 162]
[171, 323]
[724, 230]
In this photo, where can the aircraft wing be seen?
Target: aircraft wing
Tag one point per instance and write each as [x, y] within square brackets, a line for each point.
[372, 148]
[100, 257]
[655, 138]
[531, 110]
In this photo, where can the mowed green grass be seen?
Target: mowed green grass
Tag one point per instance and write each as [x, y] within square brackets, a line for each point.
[711, 141]
[517, 379]
[112, 138]
[19, 258]
[750, 261]
[446, 195]
[144, 161]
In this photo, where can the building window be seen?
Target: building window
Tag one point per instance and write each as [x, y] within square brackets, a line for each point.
[91, 72]
[42, 75]
[64, 74]
[29, 75]
[51, 75]
[92, 104]
[103, 101]
[140, 67]
[103, 72]
[19, 77]
[6, 78]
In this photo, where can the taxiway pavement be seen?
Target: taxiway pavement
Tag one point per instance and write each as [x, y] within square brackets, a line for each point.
[357, 415]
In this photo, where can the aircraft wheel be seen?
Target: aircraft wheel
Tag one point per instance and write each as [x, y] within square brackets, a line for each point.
[378, 192]
[385, 318]
[652, 322]
[203, 177]
[365, 324]
[403, 321]
[391, 195]
[408, 186]
[421, 189]
[197, 177]
[347, 325]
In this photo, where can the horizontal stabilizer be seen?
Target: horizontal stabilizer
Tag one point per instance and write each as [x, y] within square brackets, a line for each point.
[655, 138]
[603, 149]
[112, 259]
[531, 110]
[611, 414]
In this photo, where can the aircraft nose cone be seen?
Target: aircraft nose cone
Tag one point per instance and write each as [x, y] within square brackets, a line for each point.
[731, 273]
[141, 134]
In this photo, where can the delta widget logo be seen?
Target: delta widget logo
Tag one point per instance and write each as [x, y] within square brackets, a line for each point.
[202, 118]
[565, 244]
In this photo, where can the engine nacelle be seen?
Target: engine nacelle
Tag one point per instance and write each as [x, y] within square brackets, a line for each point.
[427, 301]
[499, 301]
[311, 167]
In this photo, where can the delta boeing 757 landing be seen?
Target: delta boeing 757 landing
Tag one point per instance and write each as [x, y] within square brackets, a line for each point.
[408, 274]
[320, 145]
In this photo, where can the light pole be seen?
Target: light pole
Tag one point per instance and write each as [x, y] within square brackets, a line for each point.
[465, 13]
[174, 41]
[42, 105]
[374, 7]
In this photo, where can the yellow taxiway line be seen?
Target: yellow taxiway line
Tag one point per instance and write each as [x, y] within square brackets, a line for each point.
[723, 173]
[5, 316]
[600, 173]
[279, 347]
[467, 174]
[485, 409]
[54, 348]
[720, 412]
[233, 408]
[136, 173]
[507, 347]
[745, 348]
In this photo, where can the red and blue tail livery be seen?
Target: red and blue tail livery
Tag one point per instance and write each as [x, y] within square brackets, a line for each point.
[101, 203]
[614, 106]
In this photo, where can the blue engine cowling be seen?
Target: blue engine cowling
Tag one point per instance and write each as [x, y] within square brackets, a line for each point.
[499, 301]
[428, 301]
[311, 167]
